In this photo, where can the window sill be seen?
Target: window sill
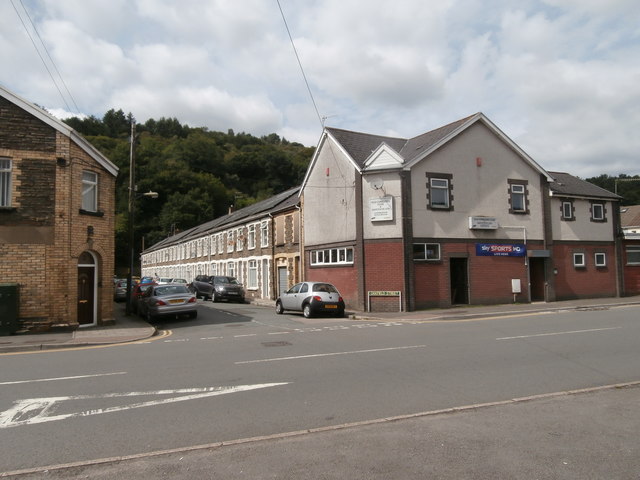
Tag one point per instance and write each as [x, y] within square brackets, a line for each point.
[92, 214]
[8, 209]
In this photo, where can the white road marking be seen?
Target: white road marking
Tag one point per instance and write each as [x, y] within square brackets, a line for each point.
[247, 335]
[328, 354]
[558, 333]
[62, 378]
[210, 338]
[37, 410]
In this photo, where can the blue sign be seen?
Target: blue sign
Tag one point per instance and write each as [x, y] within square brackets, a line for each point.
[500, 250]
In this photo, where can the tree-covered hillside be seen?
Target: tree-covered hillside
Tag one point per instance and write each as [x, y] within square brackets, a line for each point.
[197, 173]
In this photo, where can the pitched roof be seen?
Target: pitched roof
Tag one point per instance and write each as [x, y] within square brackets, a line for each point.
[277, 203]
[359, 146]
[630, 216]
[565, 184]
[61, 127]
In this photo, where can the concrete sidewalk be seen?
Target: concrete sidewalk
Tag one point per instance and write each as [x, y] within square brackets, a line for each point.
[125, 329]
[132, 328]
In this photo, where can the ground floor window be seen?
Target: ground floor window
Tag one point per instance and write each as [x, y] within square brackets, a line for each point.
[601, 259]
[332, 256]
[633, 254]
[426, 251]
[252, 280]
[579, 260]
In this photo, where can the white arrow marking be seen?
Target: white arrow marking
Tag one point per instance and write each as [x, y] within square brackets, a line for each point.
[36, 410]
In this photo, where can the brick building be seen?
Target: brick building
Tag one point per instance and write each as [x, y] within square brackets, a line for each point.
[458, 215]
[56, 219]
[259, 245]
[630, 220]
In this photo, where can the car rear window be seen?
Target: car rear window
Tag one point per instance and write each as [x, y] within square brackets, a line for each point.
[324, 287]
[170, 290]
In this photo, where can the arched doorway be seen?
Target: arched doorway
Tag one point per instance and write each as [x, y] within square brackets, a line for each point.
[87, 288]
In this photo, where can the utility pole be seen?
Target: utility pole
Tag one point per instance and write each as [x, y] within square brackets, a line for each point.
[132, 198]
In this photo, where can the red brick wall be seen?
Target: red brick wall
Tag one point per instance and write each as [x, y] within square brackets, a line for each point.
[345, 279]
[384, 271]
[587, 282]
[631, 276]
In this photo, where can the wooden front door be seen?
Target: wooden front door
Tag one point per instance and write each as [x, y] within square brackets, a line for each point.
[86, 289]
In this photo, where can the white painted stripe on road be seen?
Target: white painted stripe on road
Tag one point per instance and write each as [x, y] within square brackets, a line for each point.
[62, 378]
[329, 354]
[247, 335]
[558, 333]
[210, 338]
[36, 410]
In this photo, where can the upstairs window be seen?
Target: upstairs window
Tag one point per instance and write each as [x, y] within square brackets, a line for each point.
[332, 256]
[518, 197]
[5, 182]
[568, 211]
[598, 212]
[600, 259]
[633, 254]
[264, 234]
[89, 191]
[439, 189]
[579, 260]
[251, 237]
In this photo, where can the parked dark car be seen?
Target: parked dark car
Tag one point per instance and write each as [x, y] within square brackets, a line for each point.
[312, 298]
[167, 300]
[217, 287]
[136, 292]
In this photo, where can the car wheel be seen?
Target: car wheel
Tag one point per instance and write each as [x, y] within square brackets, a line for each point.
[340, 314]
[150, 318]
[279, 309]
[306, 311]
[193, 315]
[214, 297]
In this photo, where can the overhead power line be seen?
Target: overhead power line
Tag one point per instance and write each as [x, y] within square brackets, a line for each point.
[320, 119]
[48, 56]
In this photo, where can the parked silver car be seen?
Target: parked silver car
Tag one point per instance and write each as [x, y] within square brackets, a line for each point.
[163, 300]
[312, 298]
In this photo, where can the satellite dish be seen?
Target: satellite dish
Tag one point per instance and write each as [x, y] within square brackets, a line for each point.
[376, 183]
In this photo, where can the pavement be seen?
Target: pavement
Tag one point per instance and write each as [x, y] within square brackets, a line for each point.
[131, 328]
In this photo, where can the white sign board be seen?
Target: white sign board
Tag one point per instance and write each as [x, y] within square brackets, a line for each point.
[483, 223]
[381, 209]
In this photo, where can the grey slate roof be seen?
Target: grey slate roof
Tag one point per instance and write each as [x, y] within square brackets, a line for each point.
[630, 216]
[566, 184]
[277, 203]
[361, 145]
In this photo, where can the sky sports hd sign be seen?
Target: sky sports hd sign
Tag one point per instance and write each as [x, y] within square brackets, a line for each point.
[499, 250]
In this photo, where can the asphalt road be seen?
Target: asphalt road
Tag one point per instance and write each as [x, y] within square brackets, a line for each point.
[240, 371]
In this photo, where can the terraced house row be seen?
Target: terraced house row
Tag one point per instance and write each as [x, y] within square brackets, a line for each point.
[458, 215]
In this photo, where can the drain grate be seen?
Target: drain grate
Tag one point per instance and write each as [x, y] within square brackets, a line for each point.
[276, 344]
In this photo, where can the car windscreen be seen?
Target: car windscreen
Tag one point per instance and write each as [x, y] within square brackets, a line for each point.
[221, 280]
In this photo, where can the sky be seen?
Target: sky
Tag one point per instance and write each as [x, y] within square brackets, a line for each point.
[561, 78]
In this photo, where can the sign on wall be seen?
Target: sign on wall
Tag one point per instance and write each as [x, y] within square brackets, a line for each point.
[381, 209]
[500, 250]
[483, 223]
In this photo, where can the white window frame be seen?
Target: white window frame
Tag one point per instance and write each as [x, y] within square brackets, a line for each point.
[252, 275]
[567, 205]
[251, 237]
[264, 234]
[89, 191]
[230, 241]
[597, 212]
[239, 240]
[600, 259]
[442, 186]
[332, 256]
[518, 190]
[579, 260]
[231, 268]
[6, 165]
[427, 247]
